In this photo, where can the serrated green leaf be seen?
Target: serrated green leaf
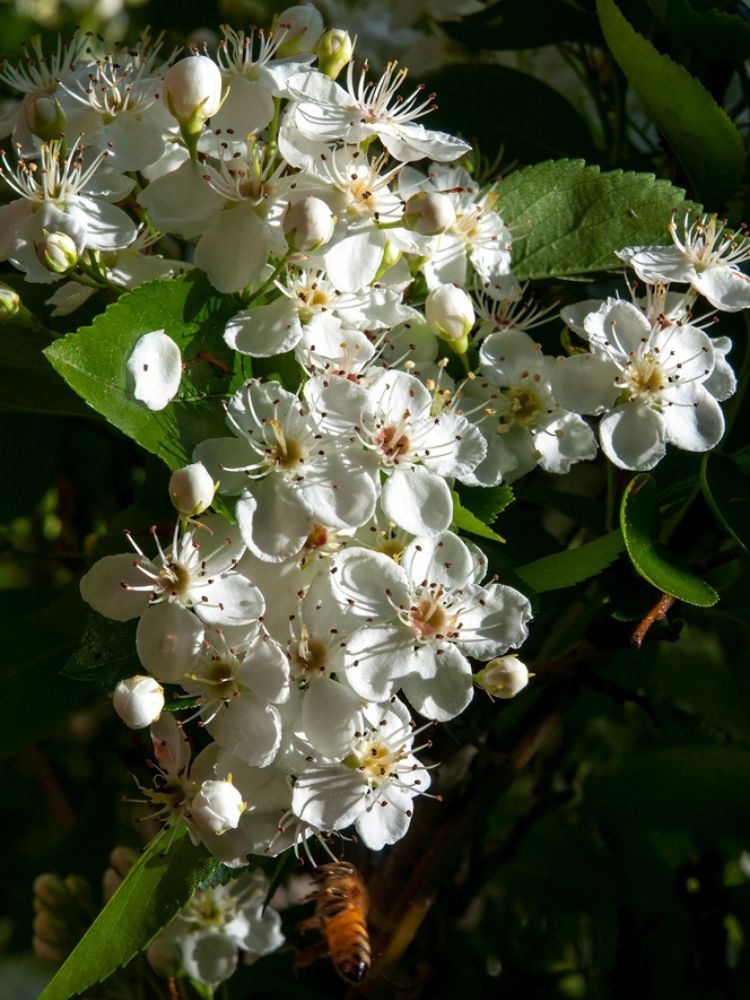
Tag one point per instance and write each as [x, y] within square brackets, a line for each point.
[568, 219]
[467, 103]
[93, 362]
[154, 891]
[641, 523]
[565, 569]
[464, 520]
[727, 493]
[703, 137]
[486, 502]
[106, 653]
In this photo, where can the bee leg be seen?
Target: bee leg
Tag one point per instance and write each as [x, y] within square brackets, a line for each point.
[309, 924]
[311, 953]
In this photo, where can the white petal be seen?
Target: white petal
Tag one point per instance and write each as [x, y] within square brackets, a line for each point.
[417, 501]
[369, 583]
[103, 587]
[377, 659]
[248, 729]
[273, 521]
[266, 330]
[169, 640]
[696, 423]
[330, 716]
[725, 288]
[233, 249]
[156, 366]
[444, 688]
[230, 600]
[562, 441]
[353, 262]
[584, 383]
[265, 670]
[632, 436]
[386, 820]
[329, 797]
[109, 228]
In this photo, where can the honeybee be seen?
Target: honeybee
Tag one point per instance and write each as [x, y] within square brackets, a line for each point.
[341, 916]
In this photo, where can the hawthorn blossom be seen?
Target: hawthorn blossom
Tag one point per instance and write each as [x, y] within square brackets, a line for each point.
[704, 255]
[646, 382]
[421, 619]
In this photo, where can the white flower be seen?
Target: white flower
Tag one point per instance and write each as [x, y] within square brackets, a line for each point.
[156, 367]
[217, 807]
[503, 677]
[327, 112]
[289, 473]
[704, 256]
[647, 382]
[217, 926]
[421, 619]
[138, 701]
[373, 786]
[450, 313]
[308, 224]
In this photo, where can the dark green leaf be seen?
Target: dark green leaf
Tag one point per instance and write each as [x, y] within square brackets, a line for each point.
[464, 520]
[583, 510]
[714, 34]
[496, 107]
[727, 493]
[517, 24]
[565, 569]
[154, 891]
[703, 137]
[27, 383]
[93, 361]
[641, 524]
[568, 219]
[487, 503]
[106, 653]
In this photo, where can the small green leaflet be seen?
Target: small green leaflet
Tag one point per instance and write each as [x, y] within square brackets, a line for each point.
[568, 219]
[93, 362]
[486, 502]
[106, 653]
[640, 521]
[464, 520]
[727, 493]
[155, 890]
[565, 569]
[703, 137]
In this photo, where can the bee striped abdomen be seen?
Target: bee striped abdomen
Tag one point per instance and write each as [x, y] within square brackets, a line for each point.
[341, 912]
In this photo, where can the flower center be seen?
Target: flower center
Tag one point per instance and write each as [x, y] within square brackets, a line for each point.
[286, 453]
[377, 760]
[525, 406]
[392, 442]
[645, 376]
[219, 677]
[430, 619]
[177, 579]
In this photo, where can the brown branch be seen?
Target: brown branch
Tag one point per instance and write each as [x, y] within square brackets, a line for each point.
[656, 614]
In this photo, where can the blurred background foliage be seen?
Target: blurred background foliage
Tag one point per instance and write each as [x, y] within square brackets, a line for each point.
[594, 838]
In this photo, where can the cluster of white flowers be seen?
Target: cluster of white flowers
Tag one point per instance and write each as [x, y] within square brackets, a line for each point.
[341, 600]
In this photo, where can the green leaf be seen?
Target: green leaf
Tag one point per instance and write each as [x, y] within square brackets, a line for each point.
[93, 361]
[486, 502]
[154, 891]
[517, 24]
[702, 136]
[106, 653]
[468, 103]
[464, 520]
[727, 493]
[565, 569]
[641, 523]
[568, 219]
[27, 383]
[712, 33]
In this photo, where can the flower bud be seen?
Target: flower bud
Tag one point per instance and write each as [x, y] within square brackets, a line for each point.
[57, 252]
[138, 701]
[391, 256]
[50, 891]
[450, 314]
[191, 489]
[10, 302]
[334, 51]
[308, 224]
[429, 213]
[503, 677]
[46, 118]
[217, 807]
[303, 25]
[192, 90]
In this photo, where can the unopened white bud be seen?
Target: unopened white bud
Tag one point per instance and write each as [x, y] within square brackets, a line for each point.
[450, 314]
[46, 118]
[503, 677]
[334, 51]
[303, 25]
[217, 807]
[57, 252]
[308, 224]
[192, 90]
[191, 489]
[429, 213]
[138, 701]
